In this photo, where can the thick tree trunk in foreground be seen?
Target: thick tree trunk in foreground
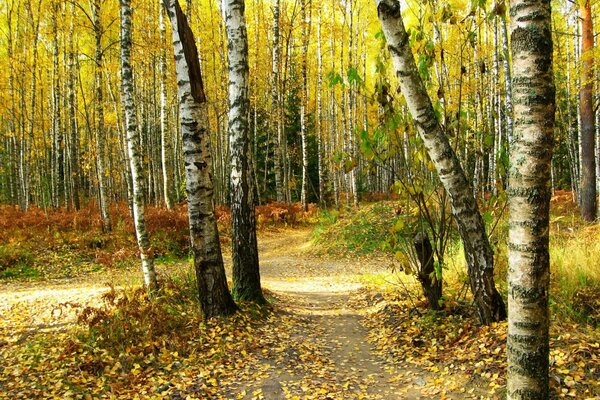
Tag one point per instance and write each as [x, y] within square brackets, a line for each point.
[529, 194]
[214, 295]
[133, 149]
[586, 115]
[246, 274]
[478, 253]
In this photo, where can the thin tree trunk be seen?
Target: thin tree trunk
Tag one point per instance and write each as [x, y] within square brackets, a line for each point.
[164, 143]
[72, 94]
[275, 95]
[133, 147]
[529, 193]
[478, 252]
[586, 115]
[304, 4]
[98, 32]
[214, 295]
[246, 275]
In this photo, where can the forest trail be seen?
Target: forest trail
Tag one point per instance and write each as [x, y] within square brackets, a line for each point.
[322, 353]
[327, 353]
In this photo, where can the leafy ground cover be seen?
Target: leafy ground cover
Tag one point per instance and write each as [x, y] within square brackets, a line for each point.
[336, 327]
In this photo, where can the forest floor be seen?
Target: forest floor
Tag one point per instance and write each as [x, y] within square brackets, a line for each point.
[328, 335]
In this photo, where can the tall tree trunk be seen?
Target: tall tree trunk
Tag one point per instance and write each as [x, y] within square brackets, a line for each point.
[58, 162]
[164, 142]
[133, 148]
[72, 95]
[304, 4]
[319, 121]
[275, 95]
[478, 252]
[586, 114]
[507, 81]
[246, 275]
[214, 295]
[529, 194]
[102, 189]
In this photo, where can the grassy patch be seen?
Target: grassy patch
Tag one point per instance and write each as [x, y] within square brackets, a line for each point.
[359, 232]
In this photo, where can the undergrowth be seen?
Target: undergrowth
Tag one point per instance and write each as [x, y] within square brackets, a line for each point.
[574, 247]
[353, 232]
[59, 243]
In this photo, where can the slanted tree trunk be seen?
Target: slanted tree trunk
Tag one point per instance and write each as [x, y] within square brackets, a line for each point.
[478, 252]
[430, 282]
[99, 85]
[586, 115]
[529, 194]
[133, 149]
[246, 275]
[213, 293]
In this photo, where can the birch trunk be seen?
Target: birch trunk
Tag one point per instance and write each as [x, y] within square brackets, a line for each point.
[58, 161]
[164, 126]
[98, 32]
[133, 149]
[304, 4]
[246, 274]
[275, 89]
[74, 135]
[478, 252]
[319, 122]
[214, 295]
[529, 194]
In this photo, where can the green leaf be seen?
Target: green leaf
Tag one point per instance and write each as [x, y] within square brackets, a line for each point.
[488, 218]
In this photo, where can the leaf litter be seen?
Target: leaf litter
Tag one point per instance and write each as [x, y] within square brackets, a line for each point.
[324, 336]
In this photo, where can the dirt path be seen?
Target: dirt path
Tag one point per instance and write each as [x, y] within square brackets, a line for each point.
[325, 354]
[328, 355]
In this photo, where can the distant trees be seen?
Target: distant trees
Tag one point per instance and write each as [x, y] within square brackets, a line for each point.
[529, 194]
[63, 137]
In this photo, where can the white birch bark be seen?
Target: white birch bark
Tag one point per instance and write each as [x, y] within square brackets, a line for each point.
[214, 295]
[133, 148]
[304, 4]
[164, 123]
[529, 194]
[246, 275]
[99, 83]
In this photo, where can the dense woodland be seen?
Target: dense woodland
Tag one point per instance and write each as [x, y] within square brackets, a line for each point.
[326, 83]
[468, 115]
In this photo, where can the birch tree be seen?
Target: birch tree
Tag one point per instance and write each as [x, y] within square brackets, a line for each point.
[304, 4]
[246, 274]
[164, 143]
[214, 295]
[529, 193]
[133, 149]
[478, 252]
[99, 83]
